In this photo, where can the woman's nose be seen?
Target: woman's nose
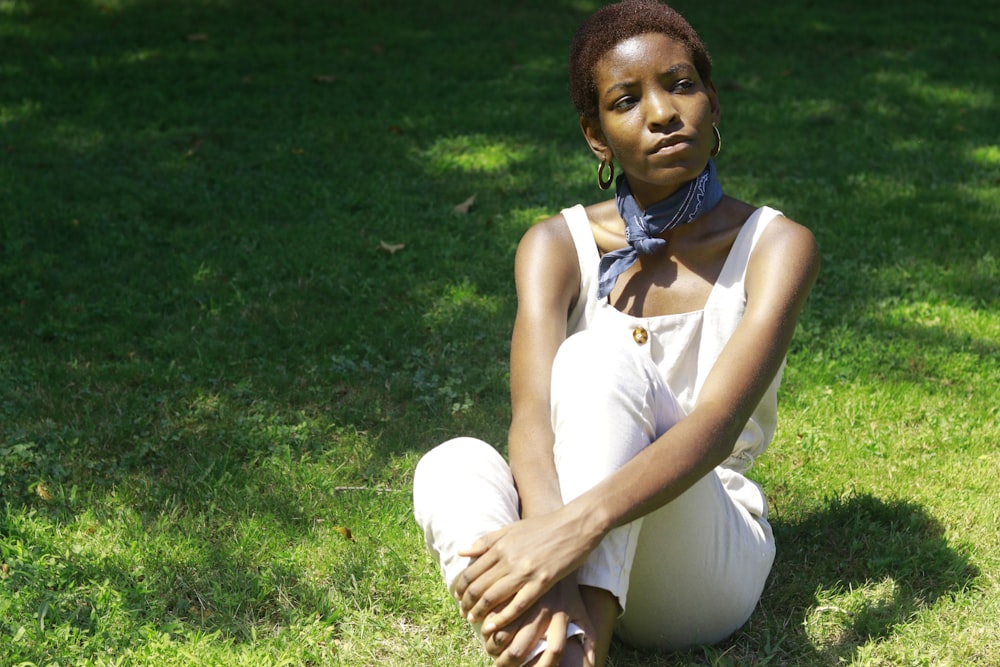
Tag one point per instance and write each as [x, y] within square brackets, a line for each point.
[660, 109]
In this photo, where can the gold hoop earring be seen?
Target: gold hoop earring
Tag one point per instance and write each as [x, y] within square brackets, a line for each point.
[605, 184]
[718, 141]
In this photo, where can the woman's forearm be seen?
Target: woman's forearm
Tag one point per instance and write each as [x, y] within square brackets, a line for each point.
[533, 466]
[660, 473]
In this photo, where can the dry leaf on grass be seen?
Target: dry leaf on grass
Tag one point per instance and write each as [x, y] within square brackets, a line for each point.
[43, 492]
[346, 532]
[464, 207]
[195, 146]
[391, 248]
[325, 78]
[197, 37]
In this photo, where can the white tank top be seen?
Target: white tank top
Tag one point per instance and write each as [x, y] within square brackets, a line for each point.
[684, 346]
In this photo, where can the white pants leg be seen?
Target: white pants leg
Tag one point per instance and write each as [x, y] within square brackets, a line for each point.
[462, 490]
[690, 572]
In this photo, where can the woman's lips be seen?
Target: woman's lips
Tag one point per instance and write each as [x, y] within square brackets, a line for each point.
[670, 145]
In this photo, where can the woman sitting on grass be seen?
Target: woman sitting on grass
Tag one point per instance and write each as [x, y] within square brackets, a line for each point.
[650, 336]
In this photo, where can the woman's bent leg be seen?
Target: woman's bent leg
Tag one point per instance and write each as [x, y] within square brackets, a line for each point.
[700, 565]
[608, 403]
[690, 572]
[462, 490]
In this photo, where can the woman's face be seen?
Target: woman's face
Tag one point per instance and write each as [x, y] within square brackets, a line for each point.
[655, 115]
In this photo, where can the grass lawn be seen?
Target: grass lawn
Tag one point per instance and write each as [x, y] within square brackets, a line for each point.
[237, 303]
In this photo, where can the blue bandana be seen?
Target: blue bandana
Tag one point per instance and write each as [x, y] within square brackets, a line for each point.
[643, 227]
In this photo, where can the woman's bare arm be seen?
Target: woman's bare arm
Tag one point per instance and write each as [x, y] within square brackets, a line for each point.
[780, 275]
[547, 276]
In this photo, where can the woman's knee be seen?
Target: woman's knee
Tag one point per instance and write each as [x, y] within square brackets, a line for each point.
[456, 454]
[598, 377]
[590, 356]
[461, 468]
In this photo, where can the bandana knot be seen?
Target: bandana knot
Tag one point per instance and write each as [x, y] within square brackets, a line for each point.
[643, 228]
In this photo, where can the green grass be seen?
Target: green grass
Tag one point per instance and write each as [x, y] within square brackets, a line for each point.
[214, 386]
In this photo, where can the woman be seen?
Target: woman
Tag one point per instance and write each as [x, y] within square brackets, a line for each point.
[650, 336]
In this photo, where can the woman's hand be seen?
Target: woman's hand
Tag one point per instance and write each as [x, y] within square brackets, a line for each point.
[517, 564]
[548, 619]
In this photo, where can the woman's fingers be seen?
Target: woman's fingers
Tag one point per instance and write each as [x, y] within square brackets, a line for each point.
[486, 584]
[474, 580]
[588, 639]
[590, 649]
[498, 642]
[480, 596]
[515, 563]
[517, 597]
[484, 598]
[555, 638]
[477, 574]
[523, 642]
[482, 545]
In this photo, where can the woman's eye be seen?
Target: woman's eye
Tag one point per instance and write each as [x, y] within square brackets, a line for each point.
[683, 85]
[624, 102]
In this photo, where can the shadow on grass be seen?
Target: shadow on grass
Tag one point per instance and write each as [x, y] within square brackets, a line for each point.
[847, 574]
[869, 563]
[195, 198]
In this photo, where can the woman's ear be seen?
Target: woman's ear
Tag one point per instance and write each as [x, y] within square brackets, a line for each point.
[713, 100]
[595, 138]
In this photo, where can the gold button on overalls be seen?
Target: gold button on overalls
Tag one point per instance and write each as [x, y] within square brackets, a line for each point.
[640, 335]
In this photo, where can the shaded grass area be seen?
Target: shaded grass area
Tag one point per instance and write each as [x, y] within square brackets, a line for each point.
[214, 385]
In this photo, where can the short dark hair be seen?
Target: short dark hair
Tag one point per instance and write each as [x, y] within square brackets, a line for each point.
[609, 26]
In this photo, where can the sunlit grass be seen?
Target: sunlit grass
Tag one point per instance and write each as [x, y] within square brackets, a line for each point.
[11, 113]
[986, 155]
[473, 153]
[918, 86]
[12, 7]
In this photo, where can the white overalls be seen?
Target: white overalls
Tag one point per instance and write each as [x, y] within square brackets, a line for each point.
[688, 573]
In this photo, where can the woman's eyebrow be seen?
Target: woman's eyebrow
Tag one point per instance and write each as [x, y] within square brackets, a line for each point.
[679, 68]
[623, 85]
[673, 70]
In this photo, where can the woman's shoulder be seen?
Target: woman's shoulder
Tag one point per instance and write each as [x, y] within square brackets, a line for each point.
[549, 243]
[786, 235]
[546, 268]
[779, 232]
[605, 223]
[602, 217]
[547, 233]
[786, 252]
